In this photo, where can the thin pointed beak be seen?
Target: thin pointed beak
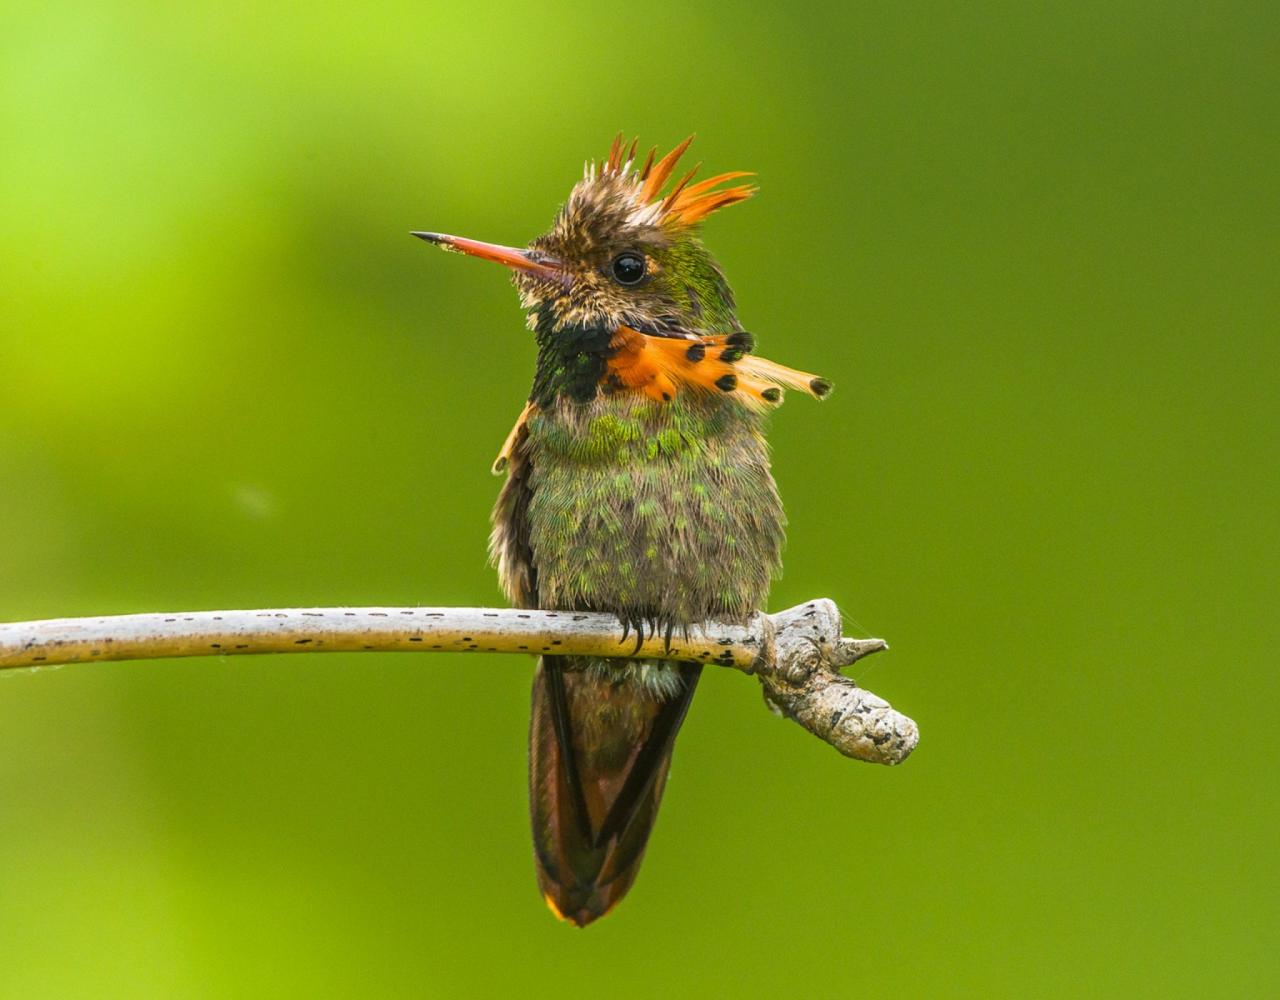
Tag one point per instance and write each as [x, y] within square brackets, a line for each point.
[523, 260]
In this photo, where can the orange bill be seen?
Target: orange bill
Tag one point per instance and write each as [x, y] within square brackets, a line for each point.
[514, 257]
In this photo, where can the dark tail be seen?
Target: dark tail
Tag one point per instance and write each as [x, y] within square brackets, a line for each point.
[599, 749]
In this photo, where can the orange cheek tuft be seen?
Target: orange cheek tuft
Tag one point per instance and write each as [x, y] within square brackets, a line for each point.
[662, 367]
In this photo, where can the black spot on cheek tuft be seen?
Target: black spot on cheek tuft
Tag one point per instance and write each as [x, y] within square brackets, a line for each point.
[742, 340]
[696, 353]
[731, 354]
[772, 395]
[727, 383]
[820, 387]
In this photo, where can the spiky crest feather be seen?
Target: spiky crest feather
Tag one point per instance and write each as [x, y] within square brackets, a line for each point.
[683, 205]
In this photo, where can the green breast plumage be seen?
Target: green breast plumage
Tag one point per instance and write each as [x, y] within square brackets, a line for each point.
[652, 510]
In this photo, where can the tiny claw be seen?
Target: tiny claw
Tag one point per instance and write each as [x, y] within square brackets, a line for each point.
[639, 623]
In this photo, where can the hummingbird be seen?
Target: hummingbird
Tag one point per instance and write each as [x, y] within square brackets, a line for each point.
[637, 483]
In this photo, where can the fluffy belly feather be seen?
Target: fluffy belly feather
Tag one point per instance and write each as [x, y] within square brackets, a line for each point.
[656, 511]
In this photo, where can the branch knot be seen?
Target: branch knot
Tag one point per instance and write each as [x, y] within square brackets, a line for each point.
[804, 684]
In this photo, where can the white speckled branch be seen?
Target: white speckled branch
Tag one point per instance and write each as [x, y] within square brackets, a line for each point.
[796, 653]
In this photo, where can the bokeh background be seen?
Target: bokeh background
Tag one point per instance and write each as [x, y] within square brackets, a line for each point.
[1035, 247]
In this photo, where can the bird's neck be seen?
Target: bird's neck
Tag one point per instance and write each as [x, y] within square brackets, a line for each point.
[572, 357]
[571, 360]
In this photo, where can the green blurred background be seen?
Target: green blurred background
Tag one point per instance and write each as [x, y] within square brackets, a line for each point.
[1034, 245]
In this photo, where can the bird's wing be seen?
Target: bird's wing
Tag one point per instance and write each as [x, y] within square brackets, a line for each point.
[509, 547]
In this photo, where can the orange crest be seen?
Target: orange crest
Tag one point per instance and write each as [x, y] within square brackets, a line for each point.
[685, 204]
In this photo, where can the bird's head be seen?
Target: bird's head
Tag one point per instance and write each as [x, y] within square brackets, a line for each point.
[624, 250]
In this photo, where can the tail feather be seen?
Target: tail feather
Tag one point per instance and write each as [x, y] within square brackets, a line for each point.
[599, 751]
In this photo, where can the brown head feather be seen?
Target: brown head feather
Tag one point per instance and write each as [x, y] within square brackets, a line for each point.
[615, 153]
[648, 162]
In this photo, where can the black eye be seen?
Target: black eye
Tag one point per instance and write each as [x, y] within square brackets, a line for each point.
[628, 268]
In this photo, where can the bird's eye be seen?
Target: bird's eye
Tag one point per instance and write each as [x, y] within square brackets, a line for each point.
[628, 268]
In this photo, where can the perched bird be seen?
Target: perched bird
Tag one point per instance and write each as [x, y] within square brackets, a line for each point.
[637, 483]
